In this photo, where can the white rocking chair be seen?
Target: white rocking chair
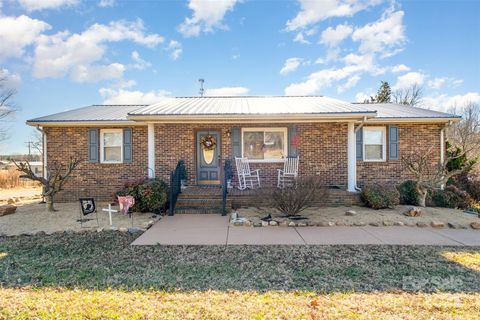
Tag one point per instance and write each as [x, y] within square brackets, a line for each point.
[289, 174]
[246, 178]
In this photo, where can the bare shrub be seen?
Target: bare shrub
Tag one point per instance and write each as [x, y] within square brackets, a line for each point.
[293, 200]
[56, 176]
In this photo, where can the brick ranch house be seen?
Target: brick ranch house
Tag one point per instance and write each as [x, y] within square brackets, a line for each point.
[345, 144]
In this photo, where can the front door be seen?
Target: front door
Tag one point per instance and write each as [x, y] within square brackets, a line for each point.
[208, 157]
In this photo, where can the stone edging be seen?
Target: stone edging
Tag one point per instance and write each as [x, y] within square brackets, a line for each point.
[435, 224]
[132, 230]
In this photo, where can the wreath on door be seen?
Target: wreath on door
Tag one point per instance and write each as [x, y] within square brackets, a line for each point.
[208, 142]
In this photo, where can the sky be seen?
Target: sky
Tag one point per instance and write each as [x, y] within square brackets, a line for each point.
[64, 54]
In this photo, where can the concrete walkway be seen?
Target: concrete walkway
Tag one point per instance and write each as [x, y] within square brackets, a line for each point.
[213, 229]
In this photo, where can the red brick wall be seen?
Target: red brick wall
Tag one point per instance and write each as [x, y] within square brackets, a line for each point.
[412, 138]
[98, 180]
[322, 149]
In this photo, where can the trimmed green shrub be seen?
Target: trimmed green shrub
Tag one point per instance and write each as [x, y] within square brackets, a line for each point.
[450, 197]
[380, 197]
[150, 194]
[408, 193]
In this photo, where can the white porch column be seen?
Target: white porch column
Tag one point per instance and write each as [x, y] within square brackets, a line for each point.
[151, 150]
[351, 158]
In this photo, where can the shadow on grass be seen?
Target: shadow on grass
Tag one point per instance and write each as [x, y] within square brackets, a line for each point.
[107, 260]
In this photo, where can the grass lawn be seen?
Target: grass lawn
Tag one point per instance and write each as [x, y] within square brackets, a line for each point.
[99, 275]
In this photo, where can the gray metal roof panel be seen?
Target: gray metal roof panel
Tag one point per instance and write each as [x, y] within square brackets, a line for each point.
[91, 113]
[393, 110]
[249, 105]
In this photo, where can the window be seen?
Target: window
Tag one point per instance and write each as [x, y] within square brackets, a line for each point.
[111, 145]
[264, 144]
[374, 141]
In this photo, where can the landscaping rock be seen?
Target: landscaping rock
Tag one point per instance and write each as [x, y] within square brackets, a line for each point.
[351, 213]
[413, 212]
[40, 233]
[422, 224]
[238, 223]
[257, 224]
[7, 209]
[359, 224]
[135, 230]
[398, 223]
[273, 223]
[438, 224]
[123, 229]
[387, 223]
[340, 223]
[302, 224]
[374, 224]
[99, 229]
[475, 225]
[291, 224]
[264, 224]
[326, 224]
[10, 201]
[283, 223]
[455, 225]
[411, 224]
[248, 223]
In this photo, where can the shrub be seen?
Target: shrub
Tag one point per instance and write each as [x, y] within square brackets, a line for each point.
[408, 193]
[293, 200]
[470, 183]
[450, 197]
[380, 197]
[150, 194]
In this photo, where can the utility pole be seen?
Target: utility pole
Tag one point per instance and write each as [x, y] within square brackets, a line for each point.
[29, 144]
[202, 91]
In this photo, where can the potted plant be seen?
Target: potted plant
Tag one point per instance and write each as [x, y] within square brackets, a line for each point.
[183, 175]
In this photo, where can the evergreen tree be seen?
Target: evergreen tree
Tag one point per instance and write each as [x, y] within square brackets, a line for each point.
[384, 93]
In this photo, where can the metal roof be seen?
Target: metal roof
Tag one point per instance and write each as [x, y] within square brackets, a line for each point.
[91, 113]
[263, 105]
[260, 108]
[393, 110]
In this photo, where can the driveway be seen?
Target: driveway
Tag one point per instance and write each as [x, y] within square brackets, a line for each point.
[213, 229]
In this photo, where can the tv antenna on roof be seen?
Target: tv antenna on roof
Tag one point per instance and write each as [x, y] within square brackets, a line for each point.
[202, 91]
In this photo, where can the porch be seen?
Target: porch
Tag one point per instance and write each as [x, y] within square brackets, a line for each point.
[209, 199]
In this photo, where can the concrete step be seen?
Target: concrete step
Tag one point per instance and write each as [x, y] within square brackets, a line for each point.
[206, 203]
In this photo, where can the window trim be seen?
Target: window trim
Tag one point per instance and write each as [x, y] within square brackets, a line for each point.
[384, 143]
[284, 130]
[102, 147]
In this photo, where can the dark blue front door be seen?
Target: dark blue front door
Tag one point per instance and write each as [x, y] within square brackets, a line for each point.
[208, 157]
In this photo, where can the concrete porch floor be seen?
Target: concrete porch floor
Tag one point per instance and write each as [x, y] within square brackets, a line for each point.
[213, 229]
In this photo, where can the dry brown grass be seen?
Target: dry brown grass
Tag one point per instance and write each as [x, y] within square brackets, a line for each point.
[10, 179]
[60, 303]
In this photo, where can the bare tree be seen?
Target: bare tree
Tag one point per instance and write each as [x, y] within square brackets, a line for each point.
[7, 107]
[465, 134]
[54, 179]
[36, 142]
[411, 96]
[428, 173]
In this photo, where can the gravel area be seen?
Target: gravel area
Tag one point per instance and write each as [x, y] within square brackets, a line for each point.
[34, 217]
[367, 216]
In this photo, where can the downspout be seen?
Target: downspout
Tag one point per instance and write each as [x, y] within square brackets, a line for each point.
[44, 154]
[442, 146]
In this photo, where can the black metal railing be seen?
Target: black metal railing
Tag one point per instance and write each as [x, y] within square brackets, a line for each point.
[175, 186]
[227, 176]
